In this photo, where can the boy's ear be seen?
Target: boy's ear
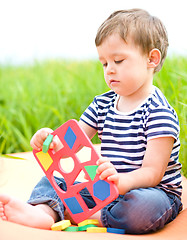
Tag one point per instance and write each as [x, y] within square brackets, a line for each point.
[154, 58]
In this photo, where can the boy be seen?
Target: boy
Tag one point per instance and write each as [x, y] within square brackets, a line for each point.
[139, 134]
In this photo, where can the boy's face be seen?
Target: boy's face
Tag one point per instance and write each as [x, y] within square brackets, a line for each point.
[126, 69]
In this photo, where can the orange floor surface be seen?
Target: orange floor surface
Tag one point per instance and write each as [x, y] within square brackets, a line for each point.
[18, 177]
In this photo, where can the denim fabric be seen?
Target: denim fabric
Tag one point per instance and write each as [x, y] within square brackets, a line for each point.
[45, 193]
[138, 211]
[141, 210]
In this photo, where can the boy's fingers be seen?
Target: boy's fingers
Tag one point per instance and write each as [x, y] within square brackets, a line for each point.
[39, 137]
[36, 147]
[102, 160]
[35, 143]
[104, 166]
[44, 133]
[56, 144]
[107, 173]
[113, 178]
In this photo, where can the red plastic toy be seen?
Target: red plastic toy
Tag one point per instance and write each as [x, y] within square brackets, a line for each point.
[103, 192]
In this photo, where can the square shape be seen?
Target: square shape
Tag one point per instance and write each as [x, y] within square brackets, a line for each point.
[70, 137]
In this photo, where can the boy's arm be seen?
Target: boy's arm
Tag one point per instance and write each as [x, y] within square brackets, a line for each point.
[154, 165]
[90, 131]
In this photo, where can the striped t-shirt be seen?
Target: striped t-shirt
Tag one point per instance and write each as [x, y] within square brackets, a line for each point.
[124, 136]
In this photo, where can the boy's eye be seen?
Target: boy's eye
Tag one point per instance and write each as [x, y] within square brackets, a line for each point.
[117, 62]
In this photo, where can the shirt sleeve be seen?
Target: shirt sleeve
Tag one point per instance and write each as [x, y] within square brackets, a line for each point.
[162, 122]
[90, 115]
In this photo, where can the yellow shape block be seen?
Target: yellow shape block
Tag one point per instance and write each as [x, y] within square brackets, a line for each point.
[88, 221]
[96, 230]
[59, 226]
[44, 159]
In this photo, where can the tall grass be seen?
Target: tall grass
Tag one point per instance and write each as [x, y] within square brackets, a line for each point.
[43, 95]
[172, 80]
[46, 94]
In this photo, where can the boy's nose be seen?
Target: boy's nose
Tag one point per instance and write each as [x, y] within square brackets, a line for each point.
[110, 69]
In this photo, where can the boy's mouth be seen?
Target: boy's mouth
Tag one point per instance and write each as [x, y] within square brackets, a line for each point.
[112, 81]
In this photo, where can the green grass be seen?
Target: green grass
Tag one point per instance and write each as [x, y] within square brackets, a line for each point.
[172, 80]
[49, 93]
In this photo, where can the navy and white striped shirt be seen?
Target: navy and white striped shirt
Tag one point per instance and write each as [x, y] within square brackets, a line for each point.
[124, 136]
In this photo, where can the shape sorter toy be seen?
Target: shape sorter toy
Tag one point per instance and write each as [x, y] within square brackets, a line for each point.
[103, 192]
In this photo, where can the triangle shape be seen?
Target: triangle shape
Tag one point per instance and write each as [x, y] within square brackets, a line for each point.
[81, 177]
[91, 170]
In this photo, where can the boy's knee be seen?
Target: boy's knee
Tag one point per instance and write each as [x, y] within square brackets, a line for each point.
[136, 212]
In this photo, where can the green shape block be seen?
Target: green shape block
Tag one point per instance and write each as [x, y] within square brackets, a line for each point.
[71, 229]
[84, 228]
[46, 143]
[91, 170]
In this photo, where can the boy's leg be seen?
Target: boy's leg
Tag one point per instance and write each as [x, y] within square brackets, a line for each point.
[42, 210]
[141, 211]
[14, 210]
[44, 193]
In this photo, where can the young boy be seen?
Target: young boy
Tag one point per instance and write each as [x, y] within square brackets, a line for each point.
[139, 134]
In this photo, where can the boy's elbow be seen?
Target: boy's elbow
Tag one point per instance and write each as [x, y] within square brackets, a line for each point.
[154, 178]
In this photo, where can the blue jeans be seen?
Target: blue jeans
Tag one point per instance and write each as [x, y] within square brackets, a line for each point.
[139, 211]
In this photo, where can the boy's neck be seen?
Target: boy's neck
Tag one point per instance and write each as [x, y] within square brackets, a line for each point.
[131, 102]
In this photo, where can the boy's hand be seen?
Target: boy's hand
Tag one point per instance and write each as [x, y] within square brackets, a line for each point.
[39, 138]
[106, 170]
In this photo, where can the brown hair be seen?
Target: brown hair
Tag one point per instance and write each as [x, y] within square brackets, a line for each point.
[146, 31]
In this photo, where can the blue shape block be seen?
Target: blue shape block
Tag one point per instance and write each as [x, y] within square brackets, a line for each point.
[70, 137]
[116, 230]
[101, 189]
[73, 205]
